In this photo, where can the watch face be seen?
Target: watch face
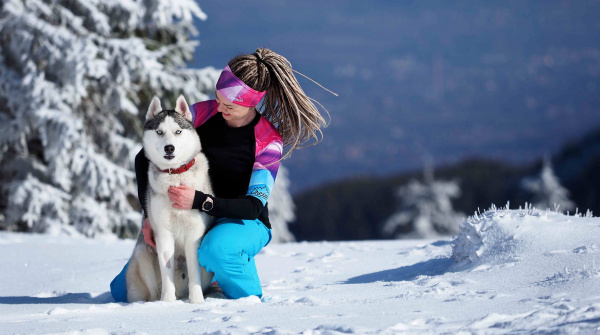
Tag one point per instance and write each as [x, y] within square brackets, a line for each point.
[207, 206]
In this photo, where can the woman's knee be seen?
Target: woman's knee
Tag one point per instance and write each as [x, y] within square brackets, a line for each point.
[216, 255]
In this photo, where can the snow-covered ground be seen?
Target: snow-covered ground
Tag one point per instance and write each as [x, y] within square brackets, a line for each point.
[527, 272]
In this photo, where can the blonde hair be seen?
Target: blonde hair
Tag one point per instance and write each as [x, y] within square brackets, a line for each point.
[285, 105]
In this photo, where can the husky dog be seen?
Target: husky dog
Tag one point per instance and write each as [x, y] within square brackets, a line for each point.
[171, 145]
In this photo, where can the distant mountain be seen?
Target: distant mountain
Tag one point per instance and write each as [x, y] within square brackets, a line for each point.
[502, 80]
[356, 208]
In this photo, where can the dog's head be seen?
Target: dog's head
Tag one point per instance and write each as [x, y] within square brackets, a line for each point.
[170, 139]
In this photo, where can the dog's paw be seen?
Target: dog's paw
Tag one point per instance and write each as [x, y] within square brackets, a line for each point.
[196, 296]
[168, 298]
[168, 295]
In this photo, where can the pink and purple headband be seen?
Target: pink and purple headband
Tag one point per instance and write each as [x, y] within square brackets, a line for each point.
[234, 90]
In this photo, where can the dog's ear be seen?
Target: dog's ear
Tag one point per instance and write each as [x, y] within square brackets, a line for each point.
[154, 108]
[182, 108]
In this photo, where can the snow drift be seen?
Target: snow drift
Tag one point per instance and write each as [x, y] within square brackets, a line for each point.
[507, 271]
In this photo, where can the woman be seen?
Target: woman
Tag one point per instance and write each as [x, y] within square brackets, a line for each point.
[243, 148]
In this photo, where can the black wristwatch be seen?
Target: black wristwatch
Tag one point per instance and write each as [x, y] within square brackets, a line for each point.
[208, 204]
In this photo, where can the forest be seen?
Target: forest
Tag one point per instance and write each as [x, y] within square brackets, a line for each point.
[357, 208]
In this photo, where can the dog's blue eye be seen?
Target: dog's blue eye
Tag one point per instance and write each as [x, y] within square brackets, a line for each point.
[178, 132]
[159, 132]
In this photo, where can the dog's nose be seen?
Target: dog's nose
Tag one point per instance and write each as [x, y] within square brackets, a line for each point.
[169, 149]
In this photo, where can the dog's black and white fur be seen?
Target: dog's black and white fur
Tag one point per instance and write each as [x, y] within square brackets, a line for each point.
[171, 141]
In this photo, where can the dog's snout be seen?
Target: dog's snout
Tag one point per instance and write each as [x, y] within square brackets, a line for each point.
[169, 149]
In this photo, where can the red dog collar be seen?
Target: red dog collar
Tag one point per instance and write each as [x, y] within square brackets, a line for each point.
[180, 169]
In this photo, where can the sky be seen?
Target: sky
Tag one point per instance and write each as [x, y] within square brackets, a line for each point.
[421, 80]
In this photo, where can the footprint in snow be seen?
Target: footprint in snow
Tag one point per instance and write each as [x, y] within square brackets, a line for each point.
[586, 250]
[311, 287]
[555, 252]
[232, 318]
[299, 270]
[331, 257]
[305, 301]
[59, 311]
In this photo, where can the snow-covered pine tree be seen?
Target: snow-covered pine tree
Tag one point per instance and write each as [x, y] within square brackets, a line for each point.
[547, 192]
[425, 209]
[73, 76]
[281, 208]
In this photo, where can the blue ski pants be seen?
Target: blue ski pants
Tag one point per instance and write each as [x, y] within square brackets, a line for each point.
[228, 251]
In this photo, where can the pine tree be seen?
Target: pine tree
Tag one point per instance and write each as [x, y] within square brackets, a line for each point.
[547, 191]
[281, 208]
[74, 75]
[425, 209]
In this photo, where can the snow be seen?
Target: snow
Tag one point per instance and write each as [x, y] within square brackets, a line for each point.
[546, 281]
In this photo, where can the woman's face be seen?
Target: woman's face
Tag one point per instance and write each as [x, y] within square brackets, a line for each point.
[235, 115]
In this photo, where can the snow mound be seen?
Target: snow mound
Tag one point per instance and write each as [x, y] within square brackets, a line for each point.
[532, 272]
[497, 235]
[491, 234]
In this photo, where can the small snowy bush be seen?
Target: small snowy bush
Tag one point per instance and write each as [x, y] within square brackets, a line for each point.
[425, 210]
[483, 235]
[546, 190]
[503, 235]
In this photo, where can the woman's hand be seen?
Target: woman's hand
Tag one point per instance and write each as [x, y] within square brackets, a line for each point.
[148, 233]
[182, 196]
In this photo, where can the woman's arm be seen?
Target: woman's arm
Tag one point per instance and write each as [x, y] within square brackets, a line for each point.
[248, 208]
[141, 174]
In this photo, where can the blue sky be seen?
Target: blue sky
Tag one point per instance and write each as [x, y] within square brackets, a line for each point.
[506, 80]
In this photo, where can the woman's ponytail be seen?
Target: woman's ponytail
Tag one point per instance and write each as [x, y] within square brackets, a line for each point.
[285, 105]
